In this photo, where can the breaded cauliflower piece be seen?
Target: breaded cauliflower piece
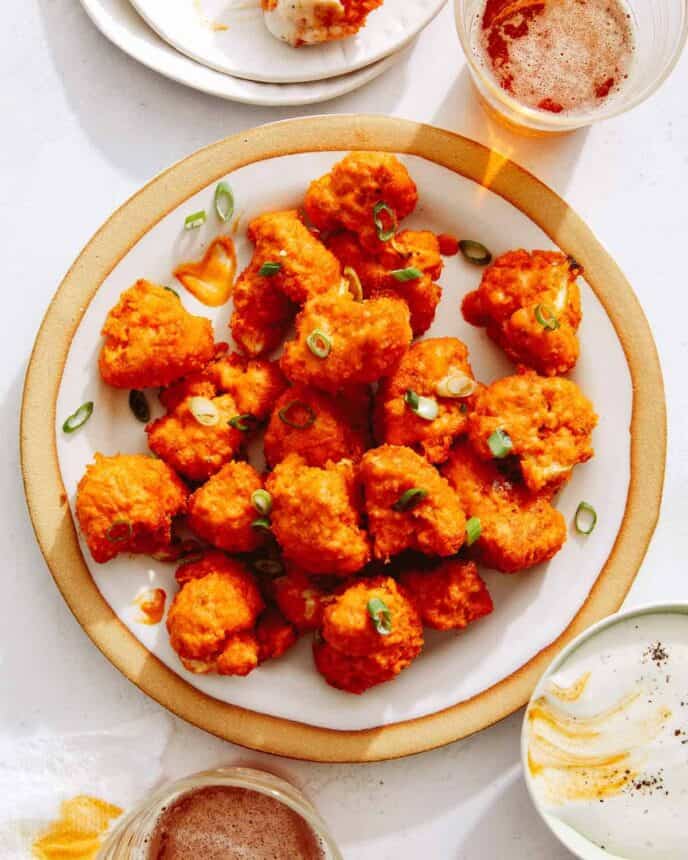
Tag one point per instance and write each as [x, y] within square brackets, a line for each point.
[239, 657]
[262, 313]
[274, 633]
[222, 510]
[126, 503]
[315, 425]
[409, 249]
[150, 339]
[196, 450]
[448, 596]
[515, 290]
[434, 525]
[548, 420]
[354, 653]
[366, 341]
[316, 516]
[347, 196]
[518, 529]
[218, 600]
[432, 368]
[300, 599]
[325, 21]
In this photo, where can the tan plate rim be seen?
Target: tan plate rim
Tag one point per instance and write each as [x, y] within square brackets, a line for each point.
[45, 492]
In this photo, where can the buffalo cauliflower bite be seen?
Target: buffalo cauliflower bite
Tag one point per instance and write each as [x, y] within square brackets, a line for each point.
[518, 529]
[316, 518]
[409, 250]
[240, 656]
[311, 23]
[348, 195]
[342, 342]
[409, 504]
[448, 596]
[432, 368]
[315, 425]
[222, 510]
[300, 599]
[262, 313]
[196, 438]
[150, 339]
[548, 423]
[274, 634]
[530, 306]
[126, 503]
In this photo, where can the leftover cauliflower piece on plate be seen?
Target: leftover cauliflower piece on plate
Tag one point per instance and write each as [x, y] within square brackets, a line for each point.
[312, 22]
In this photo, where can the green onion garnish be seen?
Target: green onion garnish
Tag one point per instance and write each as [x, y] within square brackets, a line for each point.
[261, 523]
[546, 318]
[286, 414]
[204, 411]
[500, 443]
[173, 291]
[195, 220]
[475, 252]
[78, 418]
[224, 201]
[245, 422]
[585, 519]
[319, 343]
[380, 616]
[268, 566]
[139, 406]
[456, 385]
[408, 500]
[269, 269]
[409, 274]
[353, 283]
[119, 531]
[384, 234]
[262, 502]
[424, 407]
[473, 529]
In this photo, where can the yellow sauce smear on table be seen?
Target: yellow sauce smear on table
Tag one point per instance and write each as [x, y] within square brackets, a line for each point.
[212, 278]
[152, 605]
[77, 834]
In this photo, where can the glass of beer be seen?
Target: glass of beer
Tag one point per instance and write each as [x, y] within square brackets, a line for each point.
[545, 66]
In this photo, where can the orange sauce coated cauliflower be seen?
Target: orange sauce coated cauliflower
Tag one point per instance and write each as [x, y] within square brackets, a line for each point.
[323, 22]
[274, 634]
[300, 599]
[448, 596]
[262, 314]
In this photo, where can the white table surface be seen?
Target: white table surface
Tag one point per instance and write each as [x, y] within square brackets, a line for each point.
[84, 127]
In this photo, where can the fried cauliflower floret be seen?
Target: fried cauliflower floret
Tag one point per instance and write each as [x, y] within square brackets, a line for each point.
[300, 599]
[316, 518]
[196, 450]
[448, 596]
[315, 425]
[299, 24]
[150, 339]
[410, 249]
[431, 368]
[262, 313]
[515, 290]
[275, 635]
[433, 524]
[239, 657]
[548, 420]
[347, 195]
[218, 599]
[222, 510]
[126, 503]
[518, 529]
[366, 340]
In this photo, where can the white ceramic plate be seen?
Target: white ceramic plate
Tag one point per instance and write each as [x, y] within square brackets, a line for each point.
[119, 22]
[246, 49]
[531, 609]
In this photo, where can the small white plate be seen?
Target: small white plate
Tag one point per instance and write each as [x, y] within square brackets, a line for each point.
[118, 22]
[246, 48]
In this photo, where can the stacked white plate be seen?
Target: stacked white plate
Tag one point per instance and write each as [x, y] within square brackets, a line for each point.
[223, 47]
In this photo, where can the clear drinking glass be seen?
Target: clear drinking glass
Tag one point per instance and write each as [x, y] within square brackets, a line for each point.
[660, 28]
[129, 839]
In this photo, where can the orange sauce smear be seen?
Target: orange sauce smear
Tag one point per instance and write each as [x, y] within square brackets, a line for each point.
[77, 834]
[152, 605]
[211, 279]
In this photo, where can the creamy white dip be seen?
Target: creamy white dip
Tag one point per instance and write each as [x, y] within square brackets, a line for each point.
[301, 21]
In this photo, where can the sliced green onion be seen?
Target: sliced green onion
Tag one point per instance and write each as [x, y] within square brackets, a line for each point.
[261, 523]
[245, 422]
[500, 443]
[546, 318]
[288, 418]
[424, 407]
[319, 343]
[269, 269]
[380, 615]
[353, 283]
[475, 252]
[408, 500]
[79, 418]
[384, 234]
[119, 531]
[574, 265]
[262, 502]
[204, 411]
[409, 274]
[224, 201]
[456, 385]
[195, 220]
[268, 566]
[139, 406]
[173, 291]
[585, 519]
[473, 529]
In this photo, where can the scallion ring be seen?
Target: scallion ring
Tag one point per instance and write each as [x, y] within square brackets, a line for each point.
[224, 201]
[384, 234]
[79, 418]
[500, 444]
[261, 523]
[475, 252]
[262, 502]
[473, 529]
[409, 274]
[380, 615]
[245, 422]
[139, 406]
[195, 220]
[319, 343]
[424, 407]
[352, 283]
[409, 499]
[173, 291]
[456, 384]
[268, 566]
[546, 318]
[119, 531]
[269, 268]
[204, 411]
[286, 414]
[585, 519]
